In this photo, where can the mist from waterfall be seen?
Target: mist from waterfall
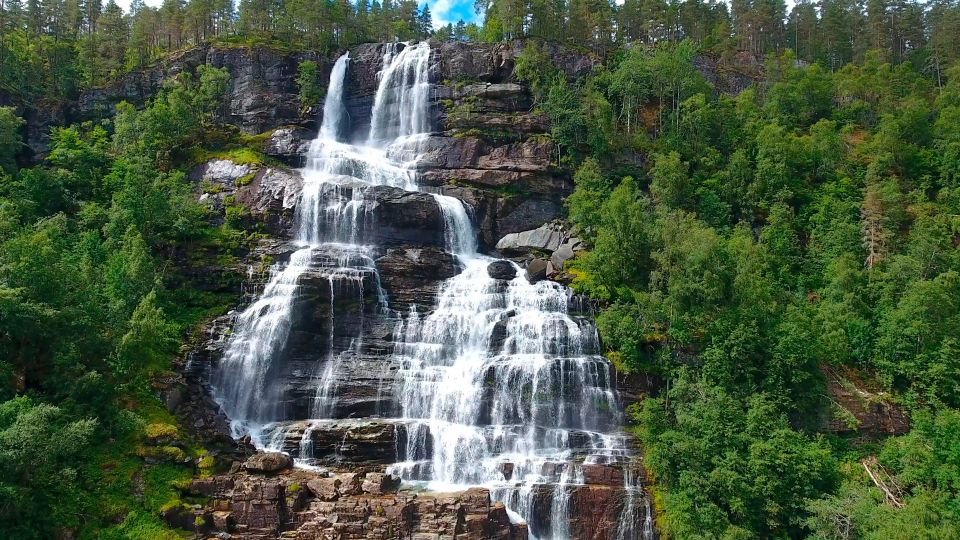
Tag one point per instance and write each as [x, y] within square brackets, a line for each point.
[497, 386]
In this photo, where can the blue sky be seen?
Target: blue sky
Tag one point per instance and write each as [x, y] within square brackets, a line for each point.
[451, 11]
[444, 11]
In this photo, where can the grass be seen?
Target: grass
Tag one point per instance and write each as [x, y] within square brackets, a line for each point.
[241, 155]
[141, 526]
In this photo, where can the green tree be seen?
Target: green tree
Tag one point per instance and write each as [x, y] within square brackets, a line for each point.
[10, 141]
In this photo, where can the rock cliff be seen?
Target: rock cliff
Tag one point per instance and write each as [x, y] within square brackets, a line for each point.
[488, 150]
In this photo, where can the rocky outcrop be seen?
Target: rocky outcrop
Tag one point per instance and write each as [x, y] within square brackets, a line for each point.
[344, 443]
[857, 410]
[545, 250]
[730, 75]
[263, 93]
[494, 62]
[288, 144]
[511, 187]
[261, 197]
[307, 505]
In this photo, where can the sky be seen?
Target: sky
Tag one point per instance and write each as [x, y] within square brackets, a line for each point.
[444, 11]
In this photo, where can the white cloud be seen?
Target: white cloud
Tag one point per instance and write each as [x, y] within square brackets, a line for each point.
[440, 9]
[125, 4]
[450, 11]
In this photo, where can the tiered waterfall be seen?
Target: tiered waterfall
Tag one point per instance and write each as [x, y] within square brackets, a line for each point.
[498, 385]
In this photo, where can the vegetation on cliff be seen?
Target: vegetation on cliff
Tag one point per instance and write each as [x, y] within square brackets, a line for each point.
[88, 321]
[806, 224]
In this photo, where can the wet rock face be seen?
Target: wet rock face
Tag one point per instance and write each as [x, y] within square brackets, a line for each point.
[412, 275]
[502, 270]
[338, 361]
[404, 217]
[343, 443]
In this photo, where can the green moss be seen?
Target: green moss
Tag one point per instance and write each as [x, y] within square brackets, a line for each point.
[241, 155]
[255, 140]
[210, 187]
[141, 526]
[160, 431]
[235, 215]
[496, 136]
[245, 179]
[160, 486]
[162, 453]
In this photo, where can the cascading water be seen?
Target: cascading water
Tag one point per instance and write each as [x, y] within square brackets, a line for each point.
[498, 386]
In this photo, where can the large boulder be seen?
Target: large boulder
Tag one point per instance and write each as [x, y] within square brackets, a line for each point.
[268, 462]
[502, 270]
[547, 238]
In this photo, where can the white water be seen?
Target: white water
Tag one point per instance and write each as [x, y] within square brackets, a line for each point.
[498, 386]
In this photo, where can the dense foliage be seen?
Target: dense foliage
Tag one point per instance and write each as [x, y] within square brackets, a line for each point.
[49, 49]
[804, 226]
[743, 246]
[86, 318]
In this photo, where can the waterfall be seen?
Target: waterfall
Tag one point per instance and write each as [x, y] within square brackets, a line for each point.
[401, 105]
[501, 385]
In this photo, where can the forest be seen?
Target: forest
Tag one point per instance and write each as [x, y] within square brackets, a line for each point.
[765, 241]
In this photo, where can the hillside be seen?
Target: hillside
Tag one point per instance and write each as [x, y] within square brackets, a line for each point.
[582, 271]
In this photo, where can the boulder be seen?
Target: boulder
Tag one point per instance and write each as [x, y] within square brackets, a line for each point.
[380, 483]
[325, 489]
[536, 270]
[547, 237]
[563, 254]
[268, 462]
[502, 270]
